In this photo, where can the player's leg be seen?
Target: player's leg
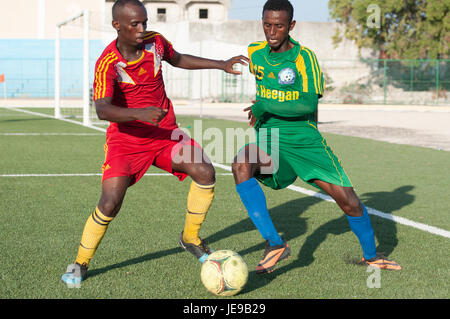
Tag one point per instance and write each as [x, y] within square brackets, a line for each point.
[359, 221]
[113, 193]
[315, 163]
[345, 197]
[191, 160]
[248, 162]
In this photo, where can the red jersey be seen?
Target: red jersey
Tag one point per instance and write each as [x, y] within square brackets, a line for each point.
[136, 84]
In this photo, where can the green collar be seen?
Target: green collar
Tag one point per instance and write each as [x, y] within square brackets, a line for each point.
[289, 55]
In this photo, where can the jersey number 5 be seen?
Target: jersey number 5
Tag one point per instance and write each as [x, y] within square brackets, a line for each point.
[258, 71]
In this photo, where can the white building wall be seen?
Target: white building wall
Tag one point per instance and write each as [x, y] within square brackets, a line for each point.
[37, 19]
[173, 11]
[19, 19]
[216, 12]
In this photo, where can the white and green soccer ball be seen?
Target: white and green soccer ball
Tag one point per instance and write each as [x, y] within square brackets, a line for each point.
[224, 273]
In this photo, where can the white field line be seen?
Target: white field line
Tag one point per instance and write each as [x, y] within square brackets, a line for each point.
[372, 211]
[51, 175]
[89, 174]
[52, 117]
[51, 134]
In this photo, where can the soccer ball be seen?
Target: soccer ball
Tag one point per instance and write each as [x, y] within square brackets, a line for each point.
[224, 273]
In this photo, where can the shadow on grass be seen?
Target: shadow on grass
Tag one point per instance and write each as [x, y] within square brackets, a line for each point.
[26, 119]
[288, 219]
[132, 261]
[385, 232]
[388, 202]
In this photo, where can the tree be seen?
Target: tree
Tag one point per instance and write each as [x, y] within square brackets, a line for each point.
[398, 29]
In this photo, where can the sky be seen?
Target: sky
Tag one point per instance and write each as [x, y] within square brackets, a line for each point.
[304, 10]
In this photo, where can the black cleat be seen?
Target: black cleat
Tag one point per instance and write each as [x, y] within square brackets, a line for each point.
[200, 252]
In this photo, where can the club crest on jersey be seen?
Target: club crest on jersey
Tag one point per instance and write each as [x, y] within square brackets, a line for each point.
[286, 76]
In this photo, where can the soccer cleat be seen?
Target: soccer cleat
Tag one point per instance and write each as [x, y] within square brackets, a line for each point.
[200, 252]
[272, 255]
[381, 262]
[74, 275]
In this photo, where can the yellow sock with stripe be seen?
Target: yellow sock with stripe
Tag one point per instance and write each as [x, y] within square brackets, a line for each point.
[93, 232]
[198, 202]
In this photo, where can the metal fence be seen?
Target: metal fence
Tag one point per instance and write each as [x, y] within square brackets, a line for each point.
[364, 81]
[387, 81]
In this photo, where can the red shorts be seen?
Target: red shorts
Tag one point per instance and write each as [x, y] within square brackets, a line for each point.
[125, 158]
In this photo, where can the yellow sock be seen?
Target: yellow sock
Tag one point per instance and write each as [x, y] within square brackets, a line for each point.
[198, 202]
[93, 232]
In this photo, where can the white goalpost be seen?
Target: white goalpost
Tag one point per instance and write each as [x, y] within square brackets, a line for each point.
[84, 16]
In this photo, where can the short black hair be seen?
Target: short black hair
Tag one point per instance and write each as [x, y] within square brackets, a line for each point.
[119, 4]
[280, 5]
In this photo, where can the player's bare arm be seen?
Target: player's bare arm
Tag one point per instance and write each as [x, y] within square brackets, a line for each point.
[190, 62]
[108, 112]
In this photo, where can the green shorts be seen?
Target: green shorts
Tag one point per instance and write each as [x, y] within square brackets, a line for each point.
[299, 150]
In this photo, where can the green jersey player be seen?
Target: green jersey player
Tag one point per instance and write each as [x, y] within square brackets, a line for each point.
[289, 83]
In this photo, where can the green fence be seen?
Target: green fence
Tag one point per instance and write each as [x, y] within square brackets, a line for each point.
[376, 81]
[363, 81]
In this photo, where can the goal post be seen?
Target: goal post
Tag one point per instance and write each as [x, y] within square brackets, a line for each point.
[85, 92]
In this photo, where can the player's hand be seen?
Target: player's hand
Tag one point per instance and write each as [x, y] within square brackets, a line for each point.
[234, 60]
[250, 116]
[152, 115]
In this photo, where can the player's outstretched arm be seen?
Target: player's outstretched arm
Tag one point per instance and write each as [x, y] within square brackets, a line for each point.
[108, 112]
[190, 62]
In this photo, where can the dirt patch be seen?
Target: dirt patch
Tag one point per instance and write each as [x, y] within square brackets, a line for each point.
[389, 134]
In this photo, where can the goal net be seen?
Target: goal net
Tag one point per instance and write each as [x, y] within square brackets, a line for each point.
[80, 40]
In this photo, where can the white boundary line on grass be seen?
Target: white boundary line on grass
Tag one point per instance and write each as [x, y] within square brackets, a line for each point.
[52, 117]
[51, 134]
[89, 174]
[372, 211]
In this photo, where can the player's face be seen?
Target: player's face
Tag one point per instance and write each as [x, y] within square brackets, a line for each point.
[277, 25]
[131, 24]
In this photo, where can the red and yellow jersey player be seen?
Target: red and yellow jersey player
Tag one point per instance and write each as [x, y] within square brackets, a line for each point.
[129, 93]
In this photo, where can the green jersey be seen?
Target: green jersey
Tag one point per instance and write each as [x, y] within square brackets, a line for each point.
[288, 84]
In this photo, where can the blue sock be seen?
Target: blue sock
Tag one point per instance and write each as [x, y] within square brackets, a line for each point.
[362, 228]
[254, 200]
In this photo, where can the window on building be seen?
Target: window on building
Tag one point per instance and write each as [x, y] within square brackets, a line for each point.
[203, 14]
[161, 15]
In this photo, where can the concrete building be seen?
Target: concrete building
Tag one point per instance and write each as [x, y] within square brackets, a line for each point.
[199, 27]
[182, 10]
[36, 19]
